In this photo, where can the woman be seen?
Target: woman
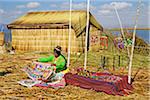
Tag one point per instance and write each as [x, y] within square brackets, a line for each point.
[57, 60]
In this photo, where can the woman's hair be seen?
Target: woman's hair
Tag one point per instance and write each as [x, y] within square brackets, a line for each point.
[57, 50]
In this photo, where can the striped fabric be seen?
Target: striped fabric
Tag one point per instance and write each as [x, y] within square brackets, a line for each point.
[57, 84]
[110, 84]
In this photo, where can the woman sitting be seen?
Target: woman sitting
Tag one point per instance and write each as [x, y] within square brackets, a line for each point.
[57, 60]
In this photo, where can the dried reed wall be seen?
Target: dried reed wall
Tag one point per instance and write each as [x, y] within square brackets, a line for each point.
[45, 40]
[1, 38]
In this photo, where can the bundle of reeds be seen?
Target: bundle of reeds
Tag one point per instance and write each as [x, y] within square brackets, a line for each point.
[1, 38]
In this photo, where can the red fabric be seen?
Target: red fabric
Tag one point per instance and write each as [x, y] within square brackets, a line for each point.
[113, 88]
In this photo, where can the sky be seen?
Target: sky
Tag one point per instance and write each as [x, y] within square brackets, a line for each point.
[102, 10]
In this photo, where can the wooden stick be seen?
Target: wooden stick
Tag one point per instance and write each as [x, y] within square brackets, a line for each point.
[87, 31]
[118, 60]
[133, 40]
[114, 63]
[69, 40]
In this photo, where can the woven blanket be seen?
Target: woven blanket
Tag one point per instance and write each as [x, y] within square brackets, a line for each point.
[57, 81]
[110, 84]
[28, 82]
[38, 71]
[43, 71]
[56, 84]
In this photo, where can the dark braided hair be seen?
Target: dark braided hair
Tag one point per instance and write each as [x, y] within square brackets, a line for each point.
[57, 50]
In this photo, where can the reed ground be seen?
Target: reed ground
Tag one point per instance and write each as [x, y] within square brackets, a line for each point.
[11, 90]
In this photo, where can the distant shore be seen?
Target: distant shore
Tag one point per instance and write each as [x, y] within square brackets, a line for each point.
[117, 29]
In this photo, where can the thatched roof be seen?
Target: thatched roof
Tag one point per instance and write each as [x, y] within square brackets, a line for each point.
[54, 19]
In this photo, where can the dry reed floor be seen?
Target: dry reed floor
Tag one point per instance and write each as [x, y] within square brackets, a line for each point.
[11, 90]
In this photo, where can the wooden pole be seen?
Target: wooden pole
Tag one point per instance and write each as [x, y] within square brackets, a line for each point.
[87, 30]
[133, 43]
[107, 61]
[122, 61]
[104, 61]
[113, 63]
[69, 40]
[101, 61]
[118, 60]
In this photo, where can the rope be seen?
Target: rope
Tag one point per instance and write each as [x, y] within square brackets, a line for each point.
[69, 40]
[122, 32]
[87, 30]
[133, 40]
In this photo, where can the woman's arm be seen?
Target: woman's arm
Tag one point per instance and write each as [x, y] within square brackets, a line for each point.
[50, 58]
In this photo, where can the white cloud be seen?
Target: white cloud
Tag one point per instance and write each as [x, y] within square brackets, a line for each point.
[81, 6]
[33, 5]
[77, 6]
[121, 5]
[32, 10]
[35, 10]
[117, 5]
[17, 12]
[2, 11]
[20, 6]
[108, 8]
[12, 14]
[53, 5]
[104, 11]
[29, 5]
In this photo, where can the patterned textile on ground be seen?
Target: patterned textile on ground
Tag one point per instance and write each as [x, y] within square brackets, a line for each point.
[40, 74]
[38, 71]
[56, 84]
[57, 81]
[28, 82]
[101, 82]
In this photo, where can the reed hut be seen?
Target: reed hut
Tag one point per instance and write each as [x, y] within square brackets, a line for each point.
[42, 31]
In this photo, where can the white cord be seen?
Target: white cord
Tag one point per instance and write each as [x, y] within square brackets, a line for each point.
[122, 32]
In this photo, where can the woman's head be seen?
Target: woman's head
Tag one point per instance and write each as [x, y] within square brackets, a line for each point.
[57, 51]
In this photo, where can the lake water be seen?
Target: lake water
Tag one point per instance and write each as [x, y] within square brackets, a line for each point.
[144, 34]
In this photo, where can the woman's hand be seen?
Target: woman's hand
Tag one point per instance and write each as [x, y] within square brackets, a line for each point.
[53, 64]
[44, 80]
